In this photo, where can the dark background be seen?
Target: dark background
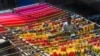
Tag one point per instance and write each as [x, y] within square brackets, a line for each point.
[87, 8]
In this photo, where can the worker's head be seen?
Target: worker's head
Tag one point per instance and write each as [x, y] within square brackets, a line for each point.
[69, 20]
[64, 18]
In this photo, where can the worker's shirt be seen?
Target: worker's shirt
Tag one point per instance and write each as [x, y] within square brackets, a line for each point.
[67, 28]
[2, 41]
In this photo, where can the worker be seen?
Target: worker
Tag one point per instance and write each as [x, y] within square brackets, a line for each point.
[68, 28]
